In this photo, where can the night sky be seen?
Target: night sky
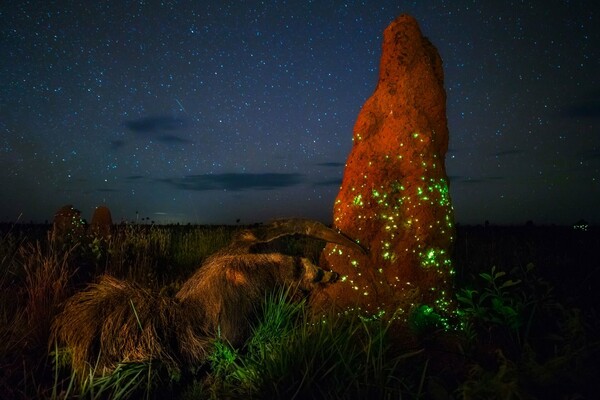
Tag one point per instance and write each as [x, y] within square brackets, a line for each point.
[214, 111]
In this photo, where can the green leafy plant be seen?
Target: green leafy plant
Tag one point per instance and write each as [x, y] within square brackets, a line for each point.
[128, 380]
[495, 304]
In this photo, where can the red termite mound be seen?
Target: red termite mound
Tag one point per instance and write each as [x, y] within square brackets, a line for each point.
[394, 196]
[68, 224]
[101, 224]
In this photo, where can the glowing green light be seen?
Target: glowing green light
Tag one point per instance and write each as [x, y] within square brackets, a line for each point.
[441, 188]
[434, 258]
[394, 209]
[358, 201]
[373, 317]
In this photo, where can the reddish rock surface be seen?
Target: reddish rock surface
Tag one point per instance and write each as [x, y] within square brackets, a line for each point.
[101, 224]
[68, 224]
[394, 196]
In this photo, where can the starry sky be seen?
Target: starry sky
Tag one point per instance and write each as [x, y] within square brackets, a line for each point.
[217, 111]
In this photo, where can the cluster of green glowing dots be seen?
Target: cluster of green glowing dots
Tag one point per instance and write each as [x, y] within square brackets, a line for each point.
[358, 201]
[337, 251]
[434, 257]
[398, 212]
[435, 192]
[398, 205]
[373, 317]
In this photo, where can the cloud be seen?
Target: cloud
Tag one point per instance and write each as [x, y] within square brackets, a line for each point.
[586, 108]
[508, 153]
[172, 139]
[159, 128]
[155, 124]
[236, 182]
[117, 144]
[590, 154]
[329, 182]
[331, 164]
[481, 179]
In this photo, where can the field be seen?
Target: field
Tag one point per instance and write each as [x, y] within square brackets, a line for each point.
[526, 326]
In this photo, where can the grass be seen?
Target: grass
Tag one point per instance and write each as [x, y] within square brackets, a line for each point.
[527, 326]
[290, 357]
[153, 255]
[38, 273]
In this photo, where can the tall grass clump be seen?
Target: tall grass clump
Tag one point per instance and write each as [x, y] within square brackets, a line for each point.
[152, 255]
[34, 281]
[134, 252]
[290, 357]
[129, 380]
[13, 321]
[192, 245]
[47, 274]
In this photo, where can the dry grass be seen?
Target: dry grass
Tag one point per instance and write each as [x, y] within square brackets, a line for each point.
[47, 275]
[34, 281]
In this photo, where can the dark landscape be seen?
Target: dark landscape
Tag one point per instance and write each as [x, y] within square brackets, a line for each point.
[526, 324]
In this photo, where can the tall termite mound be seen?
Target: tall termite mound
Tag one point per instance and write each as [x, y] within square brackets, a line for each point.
[394, 196]
[101, 224]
